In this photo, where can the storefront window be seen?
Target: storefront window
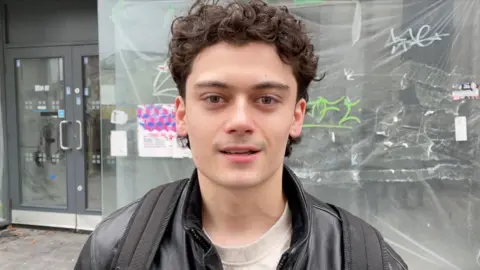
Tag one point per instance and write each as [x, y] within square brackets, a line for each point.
[133, 50]
[392, 132]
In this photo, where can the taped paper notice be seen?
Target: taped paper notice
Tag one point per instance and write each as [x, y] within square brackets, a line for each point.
[157, 132]
[118, 143]
[460, 128]
[119, 117]
[465, 91]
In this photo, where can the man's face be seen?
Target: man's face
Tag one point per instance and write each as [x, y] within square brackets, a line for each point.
[239, 110]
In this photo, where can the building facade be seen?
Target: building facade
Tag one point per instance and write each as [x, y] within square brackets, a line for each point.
[392, 135]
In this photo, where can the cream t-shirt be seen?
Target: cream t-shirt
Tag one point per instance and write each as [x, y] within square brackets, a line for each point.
[265, 253]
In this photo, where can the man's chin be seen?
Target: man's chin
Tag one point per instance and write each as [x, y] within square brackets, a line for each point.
[239, 180]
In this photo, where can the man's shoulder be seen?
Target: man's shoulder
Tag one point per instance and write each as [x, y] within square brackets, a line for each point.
[329, 221]
[101, 246]
[117, 222]
[104, 241]
[321, 208]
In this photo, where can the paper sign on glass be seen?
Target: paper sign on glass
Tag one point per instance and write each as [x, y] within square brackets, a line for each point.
[460, 128]
[157, 132]
[118, 143]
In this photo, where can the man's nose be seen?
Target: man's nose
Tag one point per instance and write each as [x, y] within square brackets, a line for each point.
[240, 118]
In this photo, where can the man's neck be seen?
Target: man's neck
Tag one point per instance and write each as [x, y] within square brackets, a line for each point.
[240, 217]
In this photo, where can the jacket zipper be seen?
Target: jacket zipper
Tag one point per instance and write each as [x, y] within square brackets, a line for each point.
[200, 239]
[282, 262]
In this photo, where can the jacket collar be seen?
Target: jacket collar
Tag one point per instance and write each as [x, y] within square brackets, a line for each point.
[293, 189]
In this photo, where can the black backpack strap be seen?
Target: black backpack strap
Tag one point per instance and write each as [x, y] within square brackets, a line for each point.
[147, 227]
[363, 245]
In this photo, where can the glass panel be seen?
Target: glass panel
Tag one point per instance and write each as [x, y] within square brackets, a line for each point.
[135, 73]
[40, 102]
[382, 142]
[92, 132]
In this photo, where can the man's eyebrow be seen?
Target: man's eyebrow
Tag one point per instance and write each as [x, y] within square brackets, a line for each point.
[259, 86]
[211, 84]
[271, 85]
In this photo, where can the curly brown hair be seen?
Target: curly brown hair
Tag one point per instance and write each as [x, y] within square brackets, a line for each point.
[239, 23]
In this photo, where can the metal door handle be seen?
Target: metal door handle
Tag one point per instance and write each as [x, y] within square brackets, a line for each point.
[61, 134]
[80, 135]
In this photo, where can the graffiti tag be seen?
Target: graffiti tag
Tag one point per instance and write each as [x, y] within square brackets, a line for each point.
[321, 106]
[350, 74]
[406, 40]
[163, 75]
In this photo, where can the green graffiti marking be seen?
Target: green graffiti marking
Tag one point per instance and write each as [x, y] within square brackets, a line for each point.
[321, 106]
[116, 10]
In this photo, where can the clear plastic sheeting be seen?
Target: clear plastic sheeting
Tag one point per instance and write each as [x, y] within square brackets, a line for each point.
[393, 130]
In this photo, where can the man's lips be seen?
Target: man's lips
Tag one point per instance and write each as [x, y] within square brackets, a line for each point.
[240, 150]
[245, 154]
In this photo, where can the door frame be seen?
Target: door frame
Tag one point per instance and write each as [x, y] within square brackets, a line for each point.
[78, 54]
[74, 215]
[85, 217]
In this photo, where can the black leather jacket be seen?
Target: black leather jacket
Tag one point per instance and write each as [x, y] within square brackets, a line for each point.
[316, 240]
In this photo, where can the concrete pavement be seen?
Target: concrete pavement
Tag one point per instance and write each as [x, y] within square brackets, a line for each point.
[32, 249]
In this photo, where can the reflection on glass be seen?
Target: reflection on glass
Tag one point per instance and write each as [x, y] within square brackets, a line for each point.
[92, 132]
[39, 87]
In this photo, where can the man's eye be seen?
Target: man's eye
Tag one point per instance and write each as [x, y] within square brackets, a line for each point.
[214, 99]
[267, 100]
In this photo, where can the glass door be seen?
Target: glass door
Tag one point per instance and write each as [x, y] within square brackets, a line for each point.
[53, 136]
[39, 120]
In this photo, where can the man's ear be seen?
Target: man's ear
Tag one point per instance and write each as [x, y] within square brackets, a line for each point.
[180, 116]
[298, 117]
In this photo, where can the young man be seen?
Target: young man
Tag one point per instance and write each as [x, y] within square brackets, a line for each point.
[242, 71]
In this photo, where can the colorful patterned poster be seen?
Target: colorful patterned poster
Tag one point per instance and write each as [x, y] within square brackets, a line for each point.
[157, 133]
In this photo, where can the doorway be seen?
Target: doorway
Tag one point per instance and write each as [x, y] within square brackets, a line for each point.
[53, 126]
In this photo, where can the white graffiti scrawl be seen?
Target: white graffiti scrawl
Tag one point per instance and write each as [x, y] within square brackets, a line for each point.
[408, 39]
[163, 75]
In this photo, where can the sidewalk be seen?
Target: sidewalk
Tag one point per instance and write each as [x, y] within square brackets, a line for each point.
[25, 249]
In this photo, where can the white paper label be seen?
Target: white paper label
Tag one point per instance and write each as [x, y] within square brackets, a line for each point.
[119, 117]
[460, 128]
[38, 88]
[47, 87]
[118, 143]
